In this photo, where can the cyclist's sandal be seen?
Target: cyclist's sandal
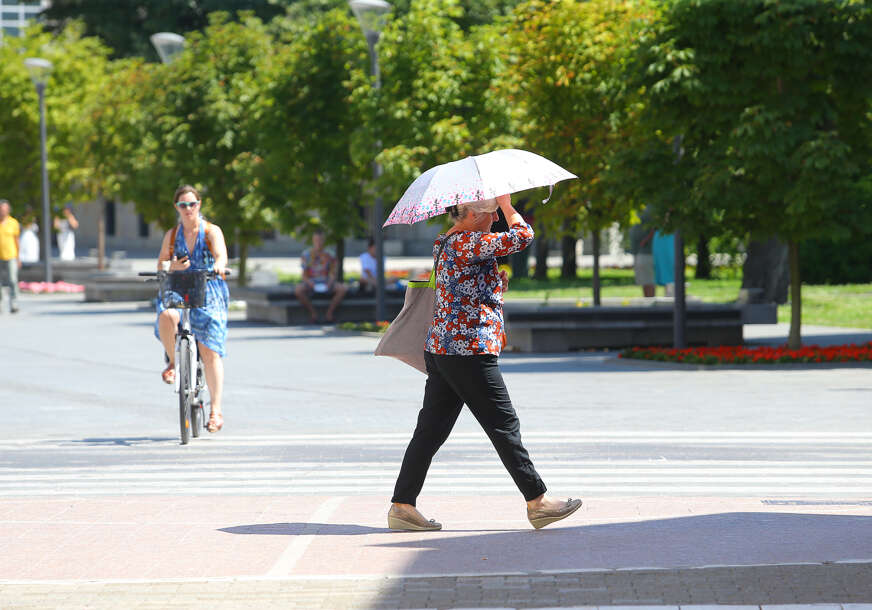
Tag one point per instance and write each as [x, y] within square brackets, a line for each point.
[169, 375]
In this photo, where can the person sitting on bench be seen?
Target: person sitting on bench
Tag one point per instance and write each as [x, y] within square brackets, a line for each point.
[319, 277]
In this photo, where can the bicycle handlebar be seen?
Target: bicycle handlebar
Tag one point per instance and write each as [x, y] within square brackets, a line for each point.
[211, 274]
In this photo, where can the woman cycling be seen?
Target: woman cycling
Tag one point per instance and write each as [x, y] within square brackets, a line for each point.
[197, 245]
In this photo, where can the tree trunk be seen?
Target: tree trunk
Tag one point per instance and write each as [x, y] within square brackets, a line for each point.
[596, 269]
[340, 260]
[766, 271]
[794, 339]
[541, 272]
[101, 233]
[703, 259]
[243, 263]
[569, 267]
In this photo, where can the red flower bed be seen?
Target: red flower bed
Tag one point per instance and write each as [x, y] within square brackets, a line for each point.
[40, 287]
[753, 355]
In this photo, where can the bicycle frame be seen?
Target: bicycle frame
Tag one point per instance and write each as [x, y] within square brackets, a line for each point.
[192, 400]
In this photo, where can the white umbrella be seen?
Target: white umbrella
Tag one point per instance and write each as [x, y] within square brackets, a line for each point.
[474, 178]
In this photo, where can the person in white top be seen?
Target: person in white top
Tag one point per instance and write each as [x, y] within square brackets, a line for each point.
[66, 228]
[368, 267]
[28, 247]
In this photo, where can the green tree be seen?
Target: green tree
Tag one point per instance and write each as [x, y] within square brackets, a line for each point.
[439, 101]
[126, 26]
[80, 66]
[473, 12]
[579, 110]
[772, 100]
[308, 124]
[198, 125]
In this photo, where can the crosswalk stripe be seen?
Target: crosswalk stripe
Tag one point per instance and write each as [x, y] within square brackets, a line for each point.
[462, 439]
[832, 464]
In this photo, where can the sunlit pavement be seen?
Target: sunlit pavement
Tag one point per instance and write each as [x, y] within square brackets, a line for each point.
[741, 487]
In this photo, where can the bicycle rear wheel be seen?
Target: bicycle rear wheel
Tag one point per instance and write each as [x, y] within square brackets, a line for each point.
[184, 372]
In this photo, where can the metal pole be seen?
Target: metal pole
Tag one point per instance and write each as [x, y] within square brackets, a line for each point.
[679, 314]
[46, 217]
[679, 311]
[377, 203]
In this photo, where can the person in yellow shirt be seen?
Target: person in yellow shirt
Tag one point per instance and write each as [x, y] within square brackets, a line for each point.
[9, 261]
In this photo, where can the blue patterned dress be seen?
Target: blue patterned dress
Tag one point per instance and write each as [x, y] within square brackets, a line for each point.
[209, 323]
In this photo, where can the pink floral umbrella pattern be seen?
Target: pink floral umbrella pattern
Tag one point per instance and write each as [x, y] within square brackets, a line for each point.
[474, 178]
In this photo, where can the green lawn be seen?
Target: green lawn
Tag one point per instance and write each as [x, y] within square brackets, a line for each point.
[615, 283]
[848, 305]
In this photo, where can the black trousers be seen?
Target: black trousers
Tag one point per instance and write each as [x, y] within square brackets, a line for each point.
[451, 382]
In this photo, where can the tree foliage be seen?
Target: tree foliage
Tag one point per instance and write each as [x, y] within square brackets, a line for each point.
[79, 66]
[774, 116]
[125, 27]
[439, 99]
[579, 110]
[309, 123]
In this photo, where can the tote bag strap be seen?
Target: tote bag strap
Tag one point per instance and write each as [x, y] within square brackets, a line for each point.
[431, 283]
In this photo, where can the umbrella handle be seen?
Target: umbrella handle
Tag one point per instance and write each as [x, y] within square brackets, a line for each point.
[550, 192]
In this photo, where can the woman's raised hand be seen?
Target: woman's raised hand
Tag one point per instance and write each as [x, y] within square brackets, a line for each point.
[512, 215]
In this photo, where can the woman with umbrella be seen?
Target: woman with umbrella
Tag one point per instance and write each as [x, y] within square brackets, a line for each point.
[463, 344]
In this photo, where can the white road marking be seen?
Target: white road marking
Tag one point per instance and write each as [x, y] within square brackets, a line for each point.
[284, 565]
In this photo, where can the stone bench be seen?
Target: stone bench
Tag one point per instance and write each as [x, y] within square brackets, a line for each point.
[74, 272]
[532, 327]
[110, 288]
[279, 305]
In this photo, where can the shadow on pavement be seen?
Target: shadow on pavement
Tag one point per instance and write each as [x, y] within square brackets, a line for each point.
[740, 538]
[303, 529]
[123, 442]
[741, 557]
[276, 337]
[575, 362]
[92, 311]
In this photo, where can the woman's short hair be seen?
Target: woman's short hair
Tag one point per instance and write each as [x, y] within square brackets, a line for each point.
[186, 188]
[457, 212]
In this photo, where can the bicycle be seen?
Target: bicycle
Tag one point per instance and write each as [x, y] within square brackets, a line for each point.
[183, 290]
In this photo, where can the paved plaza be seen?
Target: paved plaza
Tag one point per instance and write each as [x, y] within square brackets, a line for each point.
[735, 486]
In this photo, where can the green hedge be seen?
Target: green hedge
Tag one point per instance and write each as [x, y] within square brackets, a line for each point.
[837, 262]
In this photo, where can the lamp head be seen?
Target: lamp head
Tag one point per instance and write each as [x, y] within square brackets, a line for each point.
[39, 70]
[371, 14]
[167, 45]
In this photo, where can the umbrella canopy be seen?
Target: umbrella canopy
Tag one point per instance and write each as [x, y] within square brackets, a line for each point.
[474, 178]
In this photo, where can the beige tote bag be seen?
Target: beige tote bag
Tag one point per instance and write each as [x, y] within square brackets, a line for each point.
[406, 337]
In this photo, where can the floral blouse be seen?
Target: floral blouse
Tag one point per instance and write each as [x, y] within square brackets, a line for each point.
[468, 316]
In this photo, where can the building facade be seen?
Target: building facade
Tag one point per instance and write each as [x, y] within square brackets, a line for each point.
[17, 15]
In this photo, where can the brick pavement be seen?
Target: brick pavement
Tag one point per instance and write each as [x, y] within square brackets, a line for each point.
[334, 552]
[748, 585]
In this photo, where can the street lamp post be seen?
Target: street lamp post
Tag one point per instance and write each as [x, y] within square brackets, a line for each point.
[168, 45]
[679, 312]
[371, 16]
[39, 70]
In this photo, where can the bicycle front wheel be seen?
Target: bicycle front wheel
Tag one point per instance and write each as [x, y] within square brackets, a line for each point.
[185, 393]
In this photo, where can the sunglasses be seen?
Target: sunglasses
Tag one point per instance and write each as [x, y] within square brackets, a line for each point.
[187, 204]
